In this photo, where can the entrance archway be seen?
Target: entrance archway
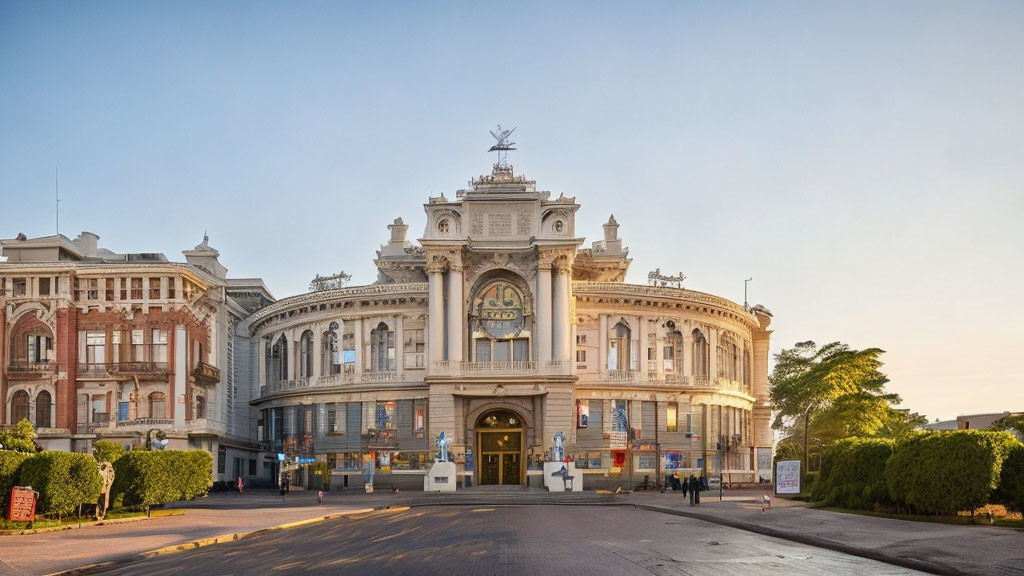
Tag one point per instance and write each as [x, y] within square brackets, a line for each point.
[500, 443]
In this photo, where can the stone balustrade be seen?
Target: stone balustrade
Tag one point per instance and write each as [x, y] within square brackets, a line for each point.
[498, 369]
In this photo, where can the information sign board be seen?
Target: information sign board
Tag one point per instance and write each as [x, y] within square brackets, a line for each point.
[787, 477]
[23, 504]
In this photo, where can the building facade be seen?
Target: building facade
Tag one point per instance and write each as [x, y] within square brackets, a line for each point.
[499, 329]
[129, 348]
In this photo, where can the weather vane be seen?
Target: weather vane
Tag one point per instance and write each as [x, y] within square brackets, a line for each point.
[502, 146]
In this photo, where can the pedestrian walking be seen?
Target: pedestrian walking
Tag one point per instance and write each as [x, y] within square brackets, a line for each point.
[320, 497]
[693, 489]
[766, 502]
[685, 483]
[241, 485]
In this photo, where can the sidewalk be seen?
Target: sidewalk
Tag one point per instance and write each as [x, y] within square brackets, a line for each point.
[926, 546]
[219, 514]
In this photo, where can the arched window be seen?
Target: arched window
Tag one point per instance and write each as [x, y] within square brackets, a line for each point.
[200, 407]
[746, 369]
[619, 344]
[157, 405]
[43, 402]
[673, 351]
[277, 361]
[306, 354]
[382, 349]
[499, 326]
[19, 406]
[727, 354]
[330, 358]
[700, 355]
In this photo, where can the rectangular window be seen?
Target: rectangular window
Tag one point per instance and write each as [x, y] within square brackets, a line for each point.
[20, 287]
[95, 347]
[222, 457]
[115, 346]
[94, 289]
[337, 418]
[124, 288]
[645, 460]
[138, 347]
[521, 350]
[386, 416]
[670, 358]
[672, 417]
[581, 339]
[414, 348]
[38, 348]
[483, 351]
[154, 288]
[581, 356]
[348, 352]
[159, 345]
[501, 351]
[136, 288]
[613, 355]
[44, 286]
[582, 413]
[108, 292]
[170, 289]
[619, 416]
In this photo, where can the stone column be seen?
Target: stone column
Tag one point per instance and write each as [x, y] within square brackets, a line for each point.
[602, 342]
[456, 319]
[560, 315]
[544, 312]
[399, 345]
[642, 347]
[712, 354]
[357, 330]
[435, 315]
[687, 353]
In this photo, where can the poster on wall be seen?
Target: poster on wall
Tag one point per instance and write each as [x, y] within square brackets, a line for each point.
[582, 414]
[617, 440]
[764, 465]
[787, 477]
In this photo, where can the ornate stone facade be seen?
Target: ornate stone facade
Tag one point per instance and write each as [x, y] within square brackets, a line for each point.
[516, 335]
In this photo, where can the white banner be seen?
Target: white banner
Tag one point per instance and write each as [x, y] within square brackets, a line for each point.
[787, 477]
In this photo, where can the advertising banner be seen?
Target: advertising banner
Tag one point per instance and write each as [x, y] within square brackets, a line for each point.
[787, 477]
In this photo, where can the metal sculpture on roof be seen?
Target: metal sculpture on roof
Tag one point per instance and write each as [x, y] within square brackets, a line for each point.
[502, 146]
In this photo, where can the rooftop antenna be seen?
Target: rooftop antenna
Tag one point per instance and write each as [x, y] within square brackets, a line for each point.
[502, 146]
[56, 192]
[745, 307]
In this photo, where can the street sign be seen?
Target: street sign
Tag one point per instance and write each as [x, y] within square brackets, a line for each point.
[280, 457]
[305, 460]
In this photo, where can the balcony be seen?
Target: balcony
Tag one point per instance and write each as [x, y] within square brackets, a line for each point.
[381, 439]
[20, 370]
[499, 369]
[206, 374]
[132, 368]
[93, 369]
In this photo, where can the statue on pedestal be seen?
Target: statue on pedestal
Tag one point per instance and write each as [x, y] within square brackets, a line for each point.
[558, 450]
[442, 447]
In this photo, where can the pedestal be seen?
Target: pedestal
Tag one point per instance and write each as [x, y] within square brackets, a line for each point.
[440, 478]
[553, 477]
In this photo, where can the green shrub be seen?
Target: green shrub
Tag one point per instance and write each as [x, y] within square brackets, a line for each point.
[63, 479]
[105, 451]
[10, 468]
[143, 478]
[1011, 479]
[853, 473]
[946, 472]
[19, 437]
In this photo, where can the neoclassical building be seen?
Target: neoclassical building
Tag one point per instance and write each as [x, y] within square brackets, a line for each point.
[500, 329]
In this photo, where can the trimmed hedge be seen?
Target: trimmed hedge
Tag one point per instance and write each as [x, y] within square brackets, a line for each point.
[105, 451]
[946, 472]
[10, 468]
[1011, 479]
[64, 480]
[853, 473]
[144, 478]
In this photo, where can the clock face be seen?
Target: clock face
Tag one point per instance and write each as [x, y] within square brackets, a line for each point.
[501, 310]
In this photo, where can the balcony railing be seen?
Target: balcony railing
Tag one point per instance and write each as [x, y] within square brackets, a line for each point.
[380, 439]
[31, 369]
[672, 380]
[490, 369]
[206, 374]
[93, 369]
[138, 368]
[150, 422]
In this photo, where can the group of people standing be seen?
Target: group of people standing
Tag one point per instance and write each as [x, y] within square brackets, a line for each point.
[692, 486]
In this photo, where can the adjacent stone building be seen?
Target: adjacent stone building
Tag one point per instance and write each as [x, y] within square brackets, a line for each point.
[129, 348]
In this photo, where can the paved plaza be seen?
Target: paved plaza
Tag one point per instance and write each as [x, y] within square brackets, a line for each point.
[476, 532]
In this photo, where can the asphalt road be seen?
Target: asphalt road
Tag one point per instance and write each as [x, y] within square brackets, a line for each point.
[510, 540]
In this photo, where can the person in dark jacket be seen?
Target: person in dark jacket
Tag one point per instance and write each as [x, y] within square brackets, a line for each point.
[685, 484]
[695, 488]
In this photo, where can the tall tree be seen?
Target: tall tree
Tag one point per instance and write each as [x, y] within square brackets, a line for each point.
[19, 437]
[829, 393]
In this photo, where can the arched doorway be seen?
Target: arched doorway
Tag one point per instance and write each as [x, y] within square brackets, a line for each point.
[499, 440]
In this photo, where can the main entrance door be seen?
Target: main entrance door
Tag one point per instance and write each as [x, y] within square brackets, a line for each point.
[500, 446]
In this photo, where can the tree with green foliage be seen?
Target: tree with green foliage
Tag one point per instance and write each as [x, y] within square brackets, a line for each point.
[853, 473]
[19, 438]
[105, 451]
[824, 394]
[1014, 422]
[1011, 479]
[145, 478]
[10, 471]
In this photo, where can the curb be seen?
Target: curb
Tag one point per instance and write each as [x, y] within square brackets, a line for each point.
[223, 538]
[814, 541]
[64, 527]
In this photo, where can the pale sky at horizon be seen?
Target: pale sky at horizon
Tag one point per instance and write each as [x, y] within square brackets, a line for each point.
[863, 162]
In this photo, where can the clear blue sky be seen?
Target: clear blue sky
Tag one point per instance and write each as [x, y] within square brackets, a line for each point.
[862, 161]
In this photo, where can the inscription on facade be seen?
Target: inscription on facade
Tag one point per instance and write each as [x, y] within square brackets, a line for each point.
[499, 224]
[523, 222]
[476, 224]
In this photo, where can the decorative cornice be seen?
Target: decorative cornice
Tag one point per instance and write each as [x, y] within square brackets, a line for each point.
[418, 288]
[641, 291]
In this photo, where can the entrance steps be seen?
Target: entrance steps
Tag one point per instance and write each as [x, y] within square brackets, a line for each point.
[510, 496]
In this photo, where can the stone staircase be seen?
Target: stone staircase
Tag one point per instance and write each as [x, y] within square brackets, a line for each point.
[510, 496]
